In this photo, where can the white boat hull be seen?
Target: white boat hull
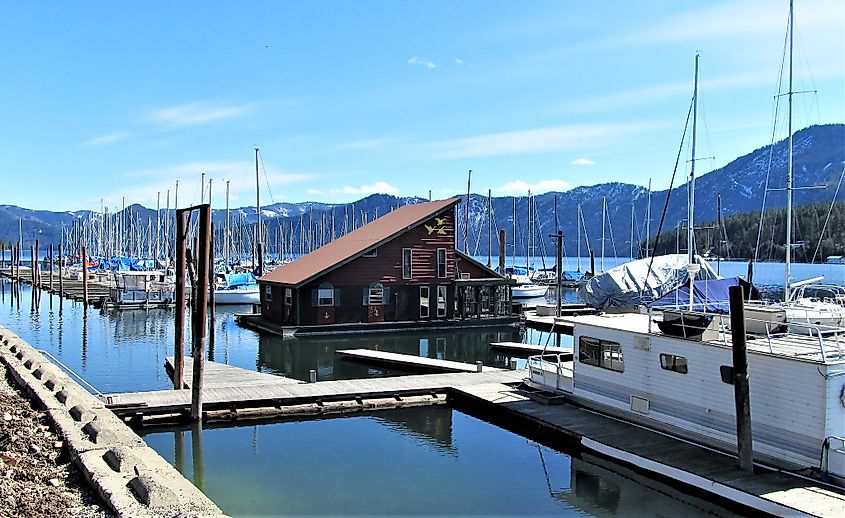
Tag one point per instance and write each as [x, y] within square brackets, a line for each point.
[528, 291]
[239, 296]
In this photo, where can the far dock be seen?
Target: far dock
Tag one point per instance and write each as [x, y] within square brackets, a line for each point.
[530, 348]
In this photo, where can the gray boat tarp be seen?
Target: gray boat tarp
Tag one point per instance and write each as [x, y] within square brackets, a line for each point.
[631, 284]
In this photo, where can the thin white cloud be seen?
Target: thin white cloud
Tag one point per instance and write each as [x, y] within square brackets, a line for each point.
[582, 161]
[366, 144]
[522, 187]
[425, 62]
[379, 187]
[103, 140]
[196, 113]
[141, 186]
[459, 61]
[556, 138]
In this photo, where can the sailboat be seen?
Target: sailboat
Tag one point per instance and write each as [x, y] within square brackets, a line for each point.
[802, 312]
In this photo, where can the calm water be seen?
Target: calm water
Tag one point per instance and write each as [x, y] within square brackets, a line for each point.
[420, 461]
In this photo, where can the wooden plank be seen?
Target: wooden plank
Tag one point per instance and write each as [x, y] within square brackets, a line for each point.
[410, 360]
[529, 348]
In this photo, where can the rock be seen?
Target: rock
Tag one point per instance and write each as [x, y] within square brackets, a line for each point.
[35, 449]
[58, 444]
[7, 416]
[54, 482]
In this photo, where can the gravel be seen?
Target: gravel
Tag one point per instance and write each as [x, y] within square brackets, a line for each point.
[36, 475]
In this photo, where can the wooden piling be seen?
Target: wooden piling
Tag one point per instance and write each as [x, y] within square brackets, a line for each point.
[592, 264]
[211, 302]
[179, 343]
[201, 312]
[61, 280]
[502, 253]
[32, 265]
[84, 278]
[36, 271]
[741, 392]
[559, 271]
[51, 268]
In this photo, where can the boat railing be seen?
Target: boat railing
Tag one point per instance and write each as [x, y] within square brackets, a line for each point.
[832, 445]
[790, 339]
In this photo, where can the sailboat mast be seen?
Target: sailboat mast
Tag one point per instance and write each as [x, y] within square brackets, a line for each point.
[466, 219]
[789, 166]
[691, 188]
[603, 217]
[257, 239]
[578, 225]
[648, 220]
[228, 229]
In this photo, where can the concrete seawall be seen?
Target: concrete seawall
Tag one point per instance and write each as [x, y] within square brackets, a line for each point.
[130, 477]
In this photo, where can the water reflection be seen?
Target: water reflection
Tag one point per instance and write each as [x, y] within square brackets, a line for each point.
[294, 357]
[430, 460]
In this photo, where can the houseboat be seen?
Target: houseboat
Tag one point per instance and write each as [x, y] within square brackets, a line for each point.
[678, 379]
[400, 271]
[139, 290]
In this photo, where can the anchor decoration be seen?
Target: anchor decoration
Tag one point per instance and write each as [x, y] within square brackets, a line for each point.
[326, 315]
[375, 312]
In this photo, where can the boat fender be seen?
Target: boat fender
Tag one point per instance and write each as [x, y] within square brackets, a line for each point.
[842, 396]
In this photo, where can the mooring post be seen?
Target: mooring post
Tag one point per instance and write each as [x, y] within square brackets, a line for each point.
[201, 312]
[312, 376]
[741, 393]
[592, 264]
[479, 366]
[211, 302]
[61, 282]
[36, 271]
[179, 342]
[84, 278]
[51, 268]
[32, 266]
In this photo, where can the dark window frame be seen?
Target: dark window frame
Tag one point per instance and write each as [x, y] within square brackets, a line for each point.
[407, 263]
[442, 259]
[604, 354]
[674, 363]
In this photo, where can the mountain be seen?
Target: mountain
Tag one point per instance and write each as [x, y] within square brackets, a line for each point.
[819, 158]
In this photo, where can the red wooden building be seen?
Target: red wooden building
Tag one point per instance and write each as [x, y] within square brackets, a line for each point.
[402, 267]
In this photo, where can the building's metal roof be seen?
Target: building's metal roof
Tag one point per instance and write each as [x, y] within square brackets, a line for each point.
[358, 242]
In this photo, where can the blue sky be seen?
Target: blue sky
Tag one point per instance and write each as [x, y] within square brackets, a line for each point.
[105, 100]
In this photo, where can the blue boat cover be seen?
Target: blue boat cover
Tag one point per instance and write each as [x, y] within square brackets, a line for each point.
[234, 280]
[709, 295]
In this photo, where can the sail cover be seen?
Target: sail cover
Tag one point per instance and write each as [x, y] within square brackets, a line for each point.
[707, 295]
[631, 284]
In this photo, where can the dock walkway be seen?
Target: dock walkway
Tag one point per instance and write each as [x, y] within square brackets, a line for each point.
[243, 390]
[530, 348]
[548, 323]
[655, 453]
[71, 288]
[221, 375]
[410, 360]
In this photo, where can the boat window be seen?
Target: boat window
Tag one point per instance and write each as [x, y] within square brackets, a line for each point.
[424, 301]
[670, 362]
[288, 296]
[375, 295]
[325, 297]
[441, 263]
[406, 263]
[441, 301]
[601, 353]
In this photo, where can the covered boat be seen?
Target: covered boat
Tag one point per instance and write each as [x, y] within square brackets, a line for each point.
[709, 295]
[236, 288]
[630, 285]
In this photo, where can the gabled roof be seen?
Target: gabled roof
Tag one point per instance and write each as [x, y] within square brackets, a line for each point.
[358, 242]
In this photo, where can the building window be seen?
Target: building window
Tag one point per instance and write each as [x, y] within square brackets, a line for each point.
[325, 297]
[372, 253]
[268, 293]
[288, 296]
[670, 362]
[441, 301]
[406, 263]
[375, 295]
[601, 353]
[441, 263]
[424, 292]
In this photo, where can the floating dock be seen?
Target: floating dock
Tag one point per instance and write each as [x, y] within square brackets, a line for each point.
[660, 456]
[248, 394]
[408, 360]
[548, 323]
[222, 375]
[531, 349]
[72, 289]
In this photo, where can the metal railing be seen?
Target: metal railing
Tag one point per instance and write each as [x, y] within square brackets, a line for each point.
[70, 371]
[828, 448]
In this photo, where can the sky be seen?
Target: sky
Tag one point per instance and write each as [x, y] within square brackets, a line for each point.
[106, 101]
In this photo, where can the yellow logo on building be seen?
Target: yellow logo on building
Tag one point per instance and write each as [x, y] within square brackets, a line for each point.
[438, 228]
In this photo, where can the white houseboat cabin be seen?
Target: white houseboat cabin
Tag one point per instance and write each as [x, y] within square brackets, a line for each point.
[625, 366]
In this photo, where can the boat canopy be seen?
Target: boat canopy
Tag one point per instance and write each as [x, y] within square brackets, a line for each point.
[710, 295]
[125, 264]
[628, 285]
[233, 280]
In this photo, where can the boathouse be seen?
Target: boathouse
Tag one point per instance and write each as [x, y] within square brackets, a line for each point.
[401, 267]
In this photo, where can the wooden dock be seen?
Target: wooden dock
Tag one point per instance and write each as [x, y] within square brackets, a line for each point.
[409, 360]
[221, 375]
[656, 454]
[551, 324]
[72, 288]
[530, 348]
[249, 394]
